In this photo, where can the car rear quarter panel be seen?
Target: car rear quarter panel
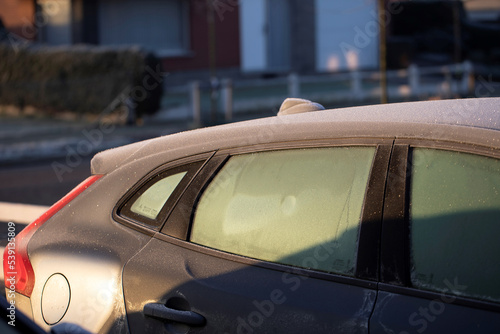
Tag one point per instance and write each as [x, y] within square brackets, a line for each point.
[85, 244]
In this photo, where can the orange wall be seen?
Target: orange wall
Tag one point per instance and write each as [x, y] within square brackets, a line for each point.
[18, 17]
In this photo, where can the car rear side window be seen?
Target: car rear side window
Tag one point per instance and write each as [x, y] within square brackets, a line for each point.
[151, 203]
[454, 223]
[299, 207]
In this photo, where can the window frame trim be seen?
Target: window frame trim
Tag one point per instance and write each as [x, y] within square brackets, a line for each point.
[148, 179]
[366, 267]
[284, 268]
[432, 295]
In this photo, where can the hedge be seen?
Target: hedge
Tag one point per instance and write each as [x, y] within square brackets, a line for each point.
[83, 79]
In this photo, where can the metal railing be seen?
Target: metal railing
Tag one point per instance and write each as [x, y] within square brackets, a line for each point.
[357, 86]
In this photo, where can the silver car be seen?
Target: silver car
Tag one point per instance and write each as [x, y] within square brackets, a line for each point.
[363, 220]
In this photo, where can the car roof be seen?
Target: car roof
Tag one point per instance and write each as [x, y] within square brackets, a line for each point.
[474, 121]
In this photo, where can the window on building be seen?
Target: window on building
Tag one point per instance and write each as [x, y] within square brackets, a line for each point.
[157, 25]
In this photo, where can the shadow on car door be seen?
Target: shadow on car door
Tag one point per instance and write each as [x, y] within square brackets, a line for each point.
[223, 293]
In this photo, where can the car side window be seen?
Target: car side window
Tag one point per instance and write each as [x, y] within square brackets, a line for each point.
[299, 207]
[454, 223]
[150, 204]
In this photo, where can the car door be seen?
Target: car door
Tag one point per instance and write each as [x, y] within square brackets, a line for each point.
[440, 252]
[282, 238]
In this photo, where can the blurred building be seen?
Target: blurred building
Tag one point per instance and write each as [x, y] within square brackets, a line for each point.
[251, 36]
[175, 30]
[486, 11]
[242, 36]
[17, 16]
[443, 32]
[308, 36]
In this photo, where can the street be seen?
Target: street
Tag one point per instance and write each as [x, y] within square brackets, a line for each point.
[38, 183]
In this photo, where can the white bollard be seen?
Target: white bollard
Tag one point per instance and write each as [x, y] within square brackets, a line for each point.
[293, 85]
[196, 103]
[414, 80]
[467, 78]
[356, 85]
[227, 99]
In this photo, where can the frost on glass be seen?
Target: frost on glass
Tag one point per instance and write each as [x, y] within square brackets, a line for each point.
[149, 204]
[299, 207]
[455, 223]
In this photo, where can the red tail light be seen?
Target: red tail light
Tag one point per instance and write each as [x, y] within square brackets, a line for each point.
[17, 269]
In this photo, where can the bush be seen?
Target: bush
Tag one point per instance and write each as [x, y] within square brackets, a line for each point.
[81, 79]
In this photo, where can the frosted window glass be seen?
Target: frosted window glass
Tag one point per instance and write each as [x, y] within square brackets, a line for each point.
[298, 207]
[149, 204]
[455, 224]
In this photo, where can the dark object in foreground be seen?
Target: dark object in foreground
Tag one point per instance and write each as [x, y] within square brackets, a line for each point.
[15, 321]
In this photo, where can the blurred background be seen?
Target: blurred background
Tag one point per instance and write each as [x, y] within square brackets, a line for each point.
[80, 76]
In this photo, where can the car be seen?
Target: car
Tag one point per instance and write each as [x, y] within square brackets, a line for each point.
[368, 219]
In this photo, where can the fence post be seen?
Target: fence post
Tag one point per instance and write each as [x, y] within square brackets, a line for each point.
[467, 78]
[293, 85]
[227, 99]
[196, 103]
[449, 84]
[356, 85]
[414, 79]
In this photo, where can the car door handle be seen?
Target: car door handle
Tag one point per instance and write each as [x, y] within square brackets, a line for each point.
[160, 311]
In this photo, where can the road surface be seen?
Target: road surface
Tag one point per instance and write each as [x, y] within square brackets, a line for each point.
[39, 182]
